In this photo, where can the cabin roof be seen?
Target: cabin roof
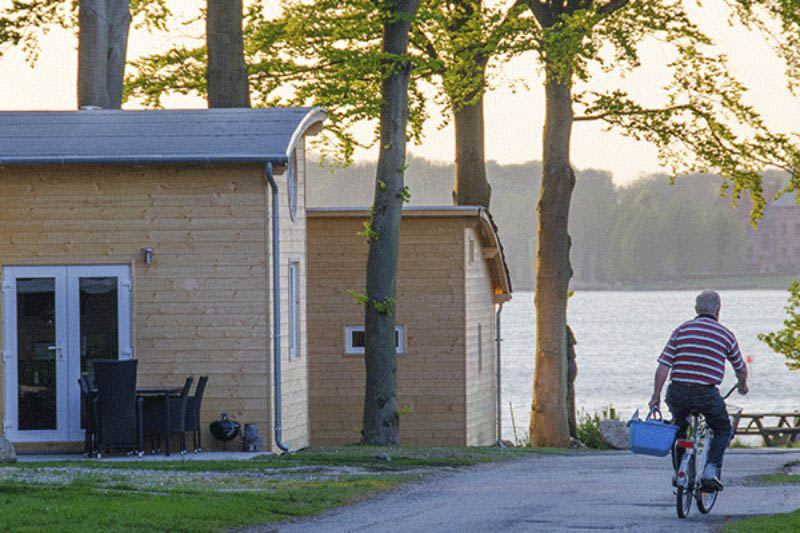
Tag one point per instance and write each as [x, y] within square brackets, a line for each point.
[501, 278]
[242, 135]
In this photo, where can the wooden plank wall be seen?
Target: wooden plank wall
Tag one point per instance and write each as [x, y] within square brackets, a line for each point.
[430, 303]
[201, 306]
[481, 357]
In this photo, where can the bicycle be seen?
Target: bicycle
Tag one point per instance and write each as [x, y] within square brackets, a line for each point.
[696, 446]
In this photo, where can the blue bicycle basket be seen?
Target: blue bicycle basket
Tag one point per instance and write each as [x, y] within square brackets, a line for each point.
[651, 437]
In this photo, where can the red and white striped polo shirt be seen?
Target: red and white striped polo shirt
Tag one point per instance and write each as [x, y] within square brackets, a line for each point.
[697, 350]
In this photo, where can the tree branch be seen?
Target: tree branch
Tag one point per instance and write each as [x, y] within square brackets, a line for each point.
[601, 116]
[611, 6]
[542, 12]
[497, 31]
[426, 44]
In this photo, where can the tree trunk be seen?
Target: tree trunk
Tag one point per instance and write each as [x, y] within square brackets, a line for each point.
[471, 186]
[549, 426]
[572, 373]
[380, 357]
[119, 22]
[226, 76]
[92, 54]
[102, 50]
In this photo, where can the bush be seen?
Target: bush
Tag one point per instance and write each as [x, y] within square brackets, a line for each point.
[588, 428]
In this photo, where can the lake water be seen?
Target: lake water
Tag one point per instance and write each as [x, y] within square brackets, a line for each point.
[621, 334]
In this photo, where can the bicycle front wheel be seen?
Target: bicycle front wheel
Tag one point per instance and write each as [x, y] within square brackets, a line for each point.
[684, 496]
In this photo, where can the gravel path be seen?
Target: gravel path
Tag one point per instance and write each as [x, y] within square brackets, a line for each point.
[594, 491]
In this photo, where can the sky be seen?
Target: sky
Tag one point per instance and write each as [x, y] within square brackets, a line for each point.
[514, 119]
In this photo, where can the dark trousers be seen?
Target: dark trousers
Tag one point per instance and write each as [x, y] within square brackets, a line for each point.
[682, 399]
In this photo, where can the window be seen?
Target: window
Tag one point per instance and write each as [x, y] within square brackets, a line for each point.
[354, 341]
[471, 251]
[294, 309]
[293, 184]
[480, 348]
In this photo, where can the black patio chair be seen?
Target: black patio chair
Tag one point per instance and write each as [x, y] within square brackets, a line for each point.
[88, 416]
[119, 411]
[154, 416]
[192, 419]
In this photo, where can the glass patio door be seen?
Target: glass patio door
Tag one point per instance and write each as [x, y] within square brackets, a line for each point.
[56, 320]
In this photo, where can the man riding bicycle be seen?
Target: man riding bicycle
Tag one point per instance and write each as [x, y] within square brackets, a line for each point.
[694, 359]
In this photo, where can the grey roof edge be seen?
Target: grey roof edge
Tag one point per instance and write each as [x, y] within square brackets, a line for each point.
[311, 123]
[418, 210]
[315, 117]
[280, 159]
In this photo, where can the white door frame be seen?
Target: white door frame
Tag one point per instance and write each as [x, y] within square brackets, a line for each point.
[67, 345]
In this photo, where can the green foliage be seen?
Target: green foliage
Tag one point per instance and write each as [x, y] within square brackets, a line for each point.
[328, 53]
[405, 410]
[699, 126]
[23, 22]
[358, 297]
[588, 428]
[368, 232]
[405, 194]
[786, 341]
[385, 306]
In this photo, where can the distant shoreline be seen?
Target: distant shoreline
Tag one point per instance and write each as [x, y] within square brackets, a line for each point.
[750, 282]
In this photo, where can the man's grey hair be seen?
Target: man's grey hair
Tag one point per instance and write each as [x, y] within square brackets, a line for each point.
[707, 302]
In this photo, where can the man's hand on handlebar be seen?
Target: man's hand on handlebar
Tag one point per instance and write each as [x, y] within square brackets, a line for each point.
[742, 387]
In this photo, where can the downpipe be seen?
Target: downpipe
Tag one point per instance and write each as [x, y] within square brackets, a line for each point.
[276, 306]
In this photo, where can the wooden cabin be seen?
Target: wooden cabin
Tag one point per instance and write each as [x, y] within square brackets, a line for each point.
[452, 278]
[150, 235]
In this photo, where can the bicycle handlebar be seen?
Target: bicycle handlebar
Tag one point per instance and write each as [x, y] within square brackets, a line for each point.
[730, 391]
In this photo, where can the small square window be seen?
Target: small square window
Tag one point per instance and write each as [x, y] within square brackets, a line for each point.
[354, 339]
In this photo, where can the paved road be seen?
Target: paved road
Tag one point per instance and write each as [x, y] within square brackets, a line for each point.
[595, 491]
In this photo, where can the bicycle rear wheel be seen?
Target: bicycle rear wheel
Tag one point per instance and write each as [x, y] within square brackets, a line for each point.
[684, 496]
[706, 500]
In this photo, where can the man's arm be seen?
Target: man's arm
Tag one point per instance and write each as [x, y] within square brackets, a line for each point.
[662, 372]
[741, 376]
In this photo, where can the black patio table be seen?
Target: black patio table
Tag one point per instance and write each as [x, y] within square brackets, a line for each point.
[163, 392]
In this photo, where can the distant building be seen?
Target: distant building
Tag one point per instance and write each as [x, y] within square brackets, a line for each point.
[775, 244]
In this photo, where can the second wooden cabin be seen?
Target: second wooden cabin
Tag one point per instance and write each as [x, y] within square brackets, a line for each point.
[452, 278]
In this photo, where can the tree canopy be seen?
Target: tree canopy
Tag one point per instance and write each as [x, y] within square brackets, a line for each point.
[786, 341]
[23, 22]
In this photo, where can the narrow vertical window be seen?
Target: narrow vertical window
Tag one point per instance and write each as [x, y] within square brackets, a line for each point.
[294, 309]
[480, 348]
[292, 184]
[471, 251]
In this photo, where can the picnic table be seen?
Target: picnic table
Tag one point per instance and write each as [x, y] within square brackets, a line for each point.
[772, 426]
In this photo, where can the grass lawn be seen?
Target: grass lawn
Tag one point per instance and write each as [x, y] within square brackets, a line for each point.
[202, 496]
[773, 523]
[779, 523]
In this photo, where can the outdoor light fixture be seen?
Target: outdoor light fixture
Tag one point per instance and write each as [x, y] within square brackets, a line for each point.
[148, 255]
